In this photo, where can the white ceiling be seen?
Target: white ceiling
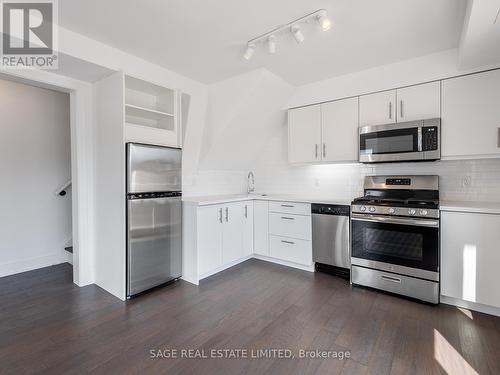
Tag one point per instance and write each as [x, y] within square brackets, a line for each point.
[205, 39]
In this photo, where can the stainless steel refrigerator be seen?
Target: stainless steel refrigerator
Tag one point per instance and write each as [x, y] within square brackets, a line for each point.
[154, 216]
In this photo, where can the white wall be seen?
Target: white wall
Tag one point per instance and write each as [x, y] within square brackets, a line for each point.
[35, 151]
[244, 117]
[246, 130]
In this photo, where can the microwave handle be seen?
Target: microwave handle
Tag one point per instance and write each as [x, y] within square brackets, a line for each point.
[420, 139]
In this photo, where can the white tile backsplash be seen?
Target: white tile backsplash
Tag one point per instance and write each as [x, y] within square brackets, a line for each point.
[463, 180]
[214, 182]
[467, 180]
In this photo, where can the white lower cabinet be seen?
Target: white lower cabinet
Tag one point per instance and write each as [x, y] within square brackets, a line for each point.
[248, 228]
[470, 257]
[290, 232]
[209, 238]
[223, 235]
[232, 233]
[290, 249]
[261, 227]
[228, 233]
[286, 225]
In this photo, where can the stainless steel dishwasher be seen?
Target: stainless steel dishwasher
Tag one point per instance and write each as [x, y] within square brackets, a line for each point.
[330, 238]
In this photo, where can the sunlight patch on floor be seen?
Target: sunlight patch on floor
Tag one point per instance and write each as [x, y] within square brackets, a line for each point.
[466, 312]
[449, 358]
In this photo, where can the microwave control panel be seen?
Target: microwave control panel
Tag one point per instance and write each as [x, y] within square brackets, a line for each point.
[430, 138]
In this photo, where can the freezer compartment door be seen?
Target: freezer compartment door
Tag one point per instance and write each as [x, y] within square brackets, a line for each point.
[154, 251]
[153, 168]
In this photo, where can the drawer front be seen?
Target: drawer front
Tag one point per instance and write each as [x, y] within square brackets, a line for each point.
[290, 208]
[407, 286]
[290, 249]
[286, 225]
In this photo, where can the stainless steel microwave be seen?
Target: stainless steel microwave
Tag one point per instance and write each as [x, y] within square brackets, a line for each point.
[405, 141]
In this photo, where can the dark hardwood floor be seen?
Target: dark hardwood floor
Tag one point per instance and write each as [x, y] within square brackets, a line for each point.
[50, 326]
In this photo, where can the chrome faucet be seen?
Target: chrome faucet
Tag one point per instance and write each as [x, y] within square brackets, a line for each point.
[251, 182]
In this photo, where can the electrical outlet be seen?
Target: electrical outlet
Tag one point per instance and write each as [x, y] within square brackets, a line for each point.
[466, 181]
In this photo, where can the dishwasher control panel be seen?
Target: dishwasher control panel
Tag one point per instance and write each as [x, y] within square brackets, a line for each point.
[330, 209]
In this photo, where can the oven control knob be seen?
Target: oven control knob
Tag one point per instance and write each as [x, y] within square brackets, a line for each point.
[423, 212]
[412, 211]
[392, 210]
[362, 208]
[372, 209]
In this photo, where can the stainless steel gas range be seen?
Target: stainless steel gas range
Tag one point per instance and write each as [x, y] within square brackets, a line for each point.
[395, 236]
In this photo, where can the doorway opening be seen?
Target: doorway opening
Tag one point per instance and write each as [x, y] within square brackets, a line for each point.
[36, 190]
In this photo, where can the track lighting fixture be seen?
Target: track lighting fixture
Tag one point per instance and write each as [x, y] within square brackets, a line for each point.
[249, 52]
[293, 28]
[271, 44]
[297, 34]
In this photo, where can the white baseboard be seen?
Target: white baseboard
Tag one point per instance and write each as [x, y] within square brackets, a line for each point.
[24, 265]
[67, 257]
[492, 310]
[285, 263]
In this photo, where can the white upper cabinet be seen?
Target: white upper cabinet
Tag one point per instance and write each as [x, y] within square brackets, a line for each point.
[378, 108]
[304, 134]
[339, 128]
[419, 102]
[471, 116]
[412, 103]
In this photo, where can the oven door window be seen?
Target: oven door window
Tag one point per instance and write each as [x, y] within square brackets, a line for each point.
[404, 245]
[394, 141]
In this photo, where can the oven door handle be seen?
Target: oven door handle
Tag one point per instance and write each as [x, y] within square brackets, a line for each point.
[395, 220]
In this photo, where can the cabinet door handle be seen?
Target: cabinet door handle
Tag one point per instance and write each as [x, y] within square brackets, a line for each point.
[288, 242]
[390, 110]
[316, 150]
[220, 215]
[287, 205]
[227, 214]
[401, 108]
[324, 150]
[246, 211]
[391, 279]
[287, 218]
[498, 137]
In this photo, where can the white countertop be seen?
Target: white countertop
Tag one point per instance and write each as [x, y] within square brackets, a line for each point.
[473, 207]
[452, 206]
[217, 199]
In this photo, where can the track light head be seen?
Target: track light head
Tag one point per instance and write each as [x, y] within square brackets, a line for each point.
[249, 52]
[271, 44]
[324, 21]
[297, 34]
